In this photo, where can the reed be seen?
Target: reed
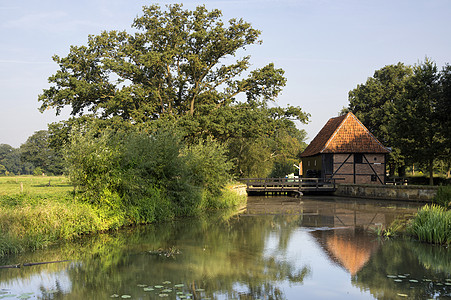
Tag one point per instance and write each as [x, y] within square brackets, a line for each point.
[432, 224]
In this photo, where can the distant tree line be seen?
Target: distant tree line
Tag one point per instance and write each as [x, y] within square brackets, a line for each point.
[408, 108]
[35, 156]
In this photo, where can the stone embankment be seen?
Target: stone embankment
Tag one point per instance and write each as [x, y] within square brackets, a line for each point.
[389, 192]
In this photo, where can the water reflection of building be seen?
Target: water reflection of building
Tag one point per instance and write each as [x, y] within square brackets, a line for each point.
[340, 226]
[342, 232]
[348, 248]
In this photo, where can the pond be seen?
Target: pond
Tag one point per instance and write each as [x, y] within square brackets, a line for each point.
[277, 248]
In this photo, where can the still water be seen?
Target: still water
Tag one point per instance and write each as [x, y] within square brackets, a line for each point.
[276, 248]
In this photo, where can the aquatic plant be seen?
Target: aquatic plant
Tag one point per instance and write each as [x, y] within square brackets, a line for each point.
[432, 224]
[397, 227]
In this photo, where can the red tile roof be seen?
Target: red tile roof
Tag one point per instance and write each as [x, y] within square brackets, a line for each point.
[344, 134]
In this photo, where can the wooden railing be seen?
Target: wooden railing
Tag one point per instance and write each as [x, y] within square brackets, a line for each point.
[289, 184]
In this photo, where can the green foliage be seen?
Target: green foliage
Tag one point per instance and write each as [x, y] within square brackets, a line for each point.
[38, 171]
[443, 197]
[283, 168]
[208, 166]
[147, 177]
[37, 152]
[406, 108]
[432, 224]
[177, 67]
[173, 63]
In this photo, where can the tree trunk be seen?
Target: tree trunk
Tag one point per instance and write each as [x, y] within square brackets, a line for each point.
[431, 172]
[191, 108]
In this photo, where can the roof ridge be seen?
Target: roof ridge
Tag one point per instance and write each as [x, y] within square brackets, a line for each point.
[335, 132]
[366, 129]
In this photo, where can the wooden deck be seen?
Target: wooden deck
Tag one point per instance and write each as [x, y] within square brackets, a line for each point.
[288, 185]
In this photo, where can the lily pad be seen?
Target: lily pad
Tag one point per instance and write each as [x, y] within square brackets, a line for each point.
[427, 280]
[413, 280]
[180, 285]
[392, 276]
[200, 290]
[142, 285]
[397, 280]
[167, 291]
[402, 295]
[114, 296]
[166, 282]
[180, 293]
[163, 295]
[182, 297]
[402, 276]
[159, 286]
[148, 289]
[126, 296]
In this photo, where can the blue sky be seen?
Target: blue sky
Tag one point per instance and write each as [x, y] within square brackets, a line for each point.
[326, 47]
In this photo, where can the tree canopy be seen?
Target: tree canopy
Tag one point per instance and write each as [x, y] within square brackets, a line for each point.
[407, 108]
[174, 62]
[177, 66]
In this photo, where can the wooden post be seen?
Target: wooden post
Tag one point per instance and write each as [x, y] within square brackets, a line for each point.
[21, 187]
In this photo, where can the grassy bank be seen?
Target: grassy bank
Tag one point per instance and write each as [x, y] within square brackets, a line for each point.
[34, 214]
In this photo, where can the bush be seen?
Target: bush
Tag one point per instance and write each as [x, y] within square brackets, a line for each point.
[38, 171]
[148, 177]
[432, 224]
[443, 196]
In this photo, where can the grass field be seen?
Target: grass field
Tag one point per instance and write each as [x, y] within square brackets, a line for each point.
[38, 211]
[51, 186]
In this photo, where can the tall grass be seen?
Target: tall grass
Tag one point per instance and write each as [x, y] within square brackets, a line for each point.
[432, 224]
[45, 215]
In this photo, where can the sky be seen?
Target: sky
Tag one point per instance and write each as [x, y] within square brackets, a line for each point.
[325, 47]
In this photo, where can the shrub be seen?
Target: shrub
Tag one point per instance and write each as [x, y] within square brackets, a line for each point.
[432, 224]
[443, 196]
[148, 177]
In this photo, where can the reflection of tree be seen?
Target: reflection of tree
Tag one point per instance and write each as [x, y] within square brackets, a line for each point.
[222, 257]
[404, 257]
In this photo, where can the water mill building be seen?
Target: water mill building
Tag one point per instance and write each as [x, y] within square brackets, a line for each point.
[346, 151]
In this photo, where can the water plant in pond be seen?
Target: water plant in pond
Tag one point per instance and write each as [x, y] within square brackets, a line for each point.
[432, 224]
[394, 229]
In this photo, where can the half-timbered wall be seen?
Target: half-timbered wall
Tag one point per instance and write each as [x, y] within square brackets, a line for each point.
[359, 168]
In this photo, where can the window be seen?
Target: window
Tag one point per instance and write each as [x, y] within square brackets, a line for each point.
[373, 178]
[358, 158]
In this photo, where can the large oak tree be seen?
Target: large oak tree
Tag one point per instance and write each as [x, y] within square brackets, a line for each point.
[176, 66]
